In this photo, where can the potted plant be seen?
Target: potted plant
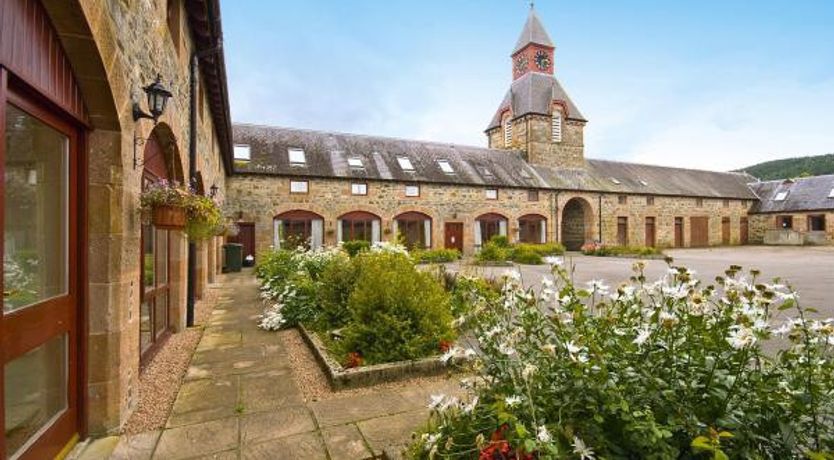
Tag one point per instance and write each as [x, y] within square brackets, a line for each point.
[165, 202]
[203, 217]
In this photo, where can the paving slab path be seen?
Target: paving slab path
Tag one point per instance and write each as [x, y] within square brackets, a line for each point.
[239, 400]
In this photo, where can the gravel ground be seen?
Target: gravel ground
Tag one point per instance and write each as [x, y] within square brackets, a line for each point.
[161, 378]
[313, 382]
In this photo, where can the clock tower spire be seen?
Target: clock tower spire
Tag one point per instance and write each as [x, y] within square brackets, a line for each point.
[533, 51]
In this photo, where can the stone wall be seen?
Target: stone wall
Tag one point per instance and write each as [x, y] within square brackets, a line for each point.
[532, 134]
[258, 198]
[761, 223]
[133, 44]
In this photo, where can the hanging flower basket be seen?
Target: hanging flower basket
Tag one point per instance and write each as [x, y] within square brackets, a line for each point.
[169, 217]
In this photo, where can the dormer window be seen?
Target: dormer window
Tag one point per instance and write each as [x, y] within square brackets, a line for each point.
[296, 156]
[405, 164]
[355, 162]
[445, 166]
[556, 125]
[781, 196]
[242, 152]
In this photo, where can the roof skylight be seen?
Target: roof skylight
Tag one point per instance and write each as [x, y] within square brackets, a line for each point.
[445, 166]
[615, 180]
[405, 164]
[781, 196]
[242, 152]
[485, 171]
[831, 194]
[355, 162]
[643, 183]
[297, 156]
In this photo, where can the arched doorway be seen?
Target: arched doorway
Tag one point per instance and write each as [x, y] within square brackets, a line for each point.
[577, 223]
[414, 228]
[358, 225]
[298, 228]
[160, 157]
[489, 225]
[532, 228]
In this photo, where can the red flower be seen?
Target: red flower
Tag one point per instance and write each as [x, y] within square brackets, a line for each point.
[354, 359]
[445, 345]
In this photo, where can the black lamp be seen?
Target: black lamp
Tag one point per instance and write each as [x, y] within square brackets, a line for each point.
[213, 190]
[157, 100]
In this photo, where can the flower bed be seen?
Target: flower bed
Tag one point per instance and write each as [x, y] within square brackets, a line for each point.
[605, 250]
[666, 369]
[498, 251]
[373, 308]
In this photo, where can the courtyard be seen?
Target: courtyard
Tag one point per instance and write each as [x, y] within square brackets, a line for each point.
[243, 395]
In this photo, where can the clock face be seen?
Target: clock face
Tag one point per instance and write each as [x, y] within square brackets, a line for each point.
[520, 63]
[542, 60]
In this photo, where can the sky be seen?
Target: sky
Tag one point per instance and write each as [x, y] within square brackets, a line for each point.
[709, 84]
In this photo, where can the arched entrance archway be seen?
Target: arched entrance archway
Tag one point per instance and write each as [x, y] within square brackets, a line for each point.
[577, 223]
[415, 229]
[296, 228]
[489, 225]
[157, 264]
[532, 228]
[358, 225]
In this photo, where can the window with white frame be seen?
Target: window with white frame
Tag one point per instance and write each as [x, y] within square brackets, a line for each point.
[445, 166]
[297, 157]
[508, 131]
[412, 190]
[556, 125]
[242, 152]
[355, 162]
[491, 194]
[358, 188]
[299, 186]
[405, 163]
[781, 196]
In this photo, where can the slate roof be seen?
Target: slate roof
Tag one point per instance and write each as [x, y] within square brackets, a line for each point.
[533, 32]
[804, 194]
[327, 156]
[534, 93]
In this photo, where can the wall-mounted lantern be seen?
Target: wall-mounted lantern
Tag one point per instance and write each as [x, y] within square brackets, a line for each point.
[157, 100]
[213, 190]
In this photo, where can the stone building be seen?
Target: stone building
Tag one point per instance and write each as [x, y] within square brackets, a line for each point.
[90, 291]
[533, 183]
[793, 211]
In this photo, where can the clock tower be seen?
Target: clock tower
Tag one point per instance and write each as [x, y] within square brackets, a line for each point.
[536, 116]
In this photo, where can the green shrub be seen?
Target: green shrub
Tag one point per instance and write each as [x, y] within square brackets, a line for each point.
[547, 249]
[436, 256]
[596, 249]
[336, 285]
[526, 254]
[397, 311]
[500, 241]
[492, 252]
[466, 291]
[354, 247]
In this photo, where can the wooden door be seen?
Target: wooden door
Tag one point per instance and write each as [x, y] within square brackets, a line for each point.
[454, 235]
[725, 231]
[679, 232]
[246, 237]
[699, 231]
[743, 231]
[39, 323]
[651, 238]
[622, 231]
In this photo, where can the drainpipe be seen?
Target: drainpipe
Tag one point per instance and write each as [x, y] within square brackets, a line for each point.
[192, 169]
[554, 200]
[599, 224]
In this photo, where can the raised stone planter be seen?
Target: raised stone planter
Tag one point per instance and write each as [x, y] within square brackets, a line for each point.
[341, 378]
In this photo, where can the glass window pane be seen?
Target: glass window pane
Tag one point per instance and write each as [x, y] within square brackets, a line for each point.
[35, 392]
[161, 257]
[148, 269]
[161, 313]
[35, 225]
[145, 337]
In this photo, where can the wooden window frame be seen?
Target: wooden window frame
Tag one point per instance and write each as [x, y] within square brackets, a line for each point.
[486, 194]
[363, 184]
[306, 187]
[532, 195]
[622, 199]
[649, 201]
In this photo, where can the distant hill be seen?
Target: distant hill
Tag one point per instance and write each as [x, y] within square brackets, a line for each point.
[792, 167]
